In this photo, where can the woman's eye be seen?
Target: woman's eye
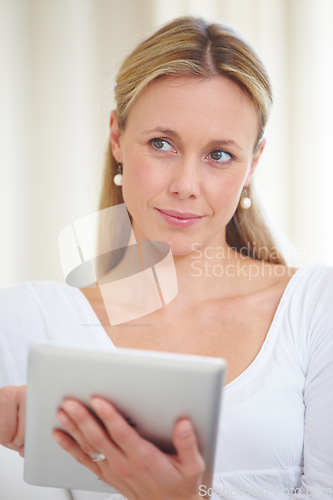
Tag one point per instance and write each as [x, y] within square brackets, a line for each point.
[161, 144]
[220, 156]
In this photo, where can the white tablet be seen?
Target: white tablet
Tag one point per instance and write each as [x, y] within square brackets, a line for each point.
[151, 389]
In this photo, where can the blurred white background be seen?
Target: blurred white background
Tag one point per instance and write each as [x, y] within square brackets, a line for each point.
[58, 60]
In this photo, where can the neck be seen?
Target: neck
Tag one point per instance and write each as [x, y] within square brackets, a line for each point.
[205, 273]
[209, 272]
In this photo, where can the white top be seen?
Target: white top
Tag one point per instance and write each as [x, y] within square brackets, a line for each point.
[276, 416]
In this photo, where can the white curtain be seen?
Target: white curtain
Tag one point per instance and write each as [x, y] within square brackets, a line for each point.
[58, 60]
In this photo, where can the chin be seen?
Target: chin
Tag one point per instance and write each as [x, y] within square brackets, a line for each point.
[180, 249]
[180, 244]
[177, 249]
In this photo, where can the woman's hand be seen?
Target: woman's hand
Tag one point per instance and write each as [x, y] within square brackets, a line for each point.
[133, 466]
[12, 417]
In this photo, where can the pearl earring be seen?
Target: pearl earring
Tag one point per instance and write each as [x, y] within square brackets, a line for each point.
[245, 201]
[118, 178]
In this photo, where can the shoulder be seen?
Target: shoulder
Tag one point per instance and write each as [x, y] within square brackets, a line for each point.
[308, 280]
[312, 284]
[35, 311]
[316, 271]
[24, 318]
[31, 290]
[308, 304]
[27, 299]
[304, 296]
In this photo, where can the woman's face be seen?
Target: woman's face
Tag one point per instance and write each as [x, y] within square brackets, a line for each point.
[187, 152]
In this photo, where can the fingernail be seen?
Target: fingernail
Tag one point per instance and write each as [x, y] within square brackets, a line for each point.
[98, 404]
[69, 406]
[63, 419]
[57, 438]
[186, 429]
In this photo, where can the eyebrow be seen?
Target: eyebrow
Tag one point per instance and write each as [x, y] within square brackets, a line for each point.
[214, 142]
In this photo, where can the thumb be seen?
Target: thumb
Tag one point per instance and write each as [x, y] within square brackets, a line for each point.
[186, 444]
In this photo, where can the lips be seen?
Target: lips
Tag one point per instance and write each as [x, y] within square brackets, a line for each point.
[179, 215]
[179, 219]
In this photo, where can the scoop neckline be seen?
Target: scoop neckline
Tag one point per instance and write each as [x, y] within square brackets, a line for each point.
[270, 336]
[107, 341]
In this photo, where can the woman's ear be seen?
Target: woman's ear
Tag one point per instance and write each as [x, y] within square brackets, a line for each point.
[255, 161]
[115, 137]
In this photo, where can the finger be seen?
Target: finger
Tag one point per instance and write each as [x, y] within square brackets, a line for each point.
[68, 444]
[71, 428]
[90, 433]
[106, 470]
[8, 420]
[186, 444]
[11, 419]
[18, 441]
[121, 432]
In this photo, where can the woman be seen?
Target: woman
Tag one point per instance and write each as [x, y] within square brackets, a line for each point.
[192, 104]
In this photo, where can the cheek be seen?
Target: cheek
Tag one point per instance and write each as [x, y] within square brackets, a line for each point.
[224, 199]
[226, 192]
[141, 181]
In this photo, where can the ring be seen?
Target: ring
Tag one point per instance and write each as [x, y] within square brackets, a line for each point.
[98, 457]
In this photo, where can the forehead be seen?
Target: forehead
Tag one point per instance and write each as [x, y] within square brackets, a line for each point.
[213, 105]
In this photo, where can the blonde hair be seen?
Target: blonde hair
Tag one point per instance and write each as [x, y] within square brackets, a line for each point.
[191, 46]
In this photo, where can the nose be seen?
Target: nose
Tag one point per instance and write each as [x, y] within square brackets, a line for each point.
[185, 180]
